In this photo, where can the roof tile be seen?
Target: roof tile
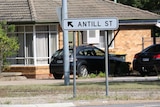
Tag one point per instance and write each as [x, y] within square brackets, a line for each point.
[15, 10]
[45, 10]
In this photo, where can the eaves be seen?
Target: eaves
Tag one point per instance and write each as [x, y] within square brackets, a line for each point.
[138, 22]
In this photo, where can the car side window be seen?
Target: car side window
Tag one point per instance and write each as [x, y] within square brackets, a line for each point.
[87, 52]
[82, 52]
[98, 52]
[91, 52]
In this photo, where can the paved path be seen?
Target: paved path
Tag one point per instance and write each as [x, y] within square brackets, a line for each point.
[53, 81]
[42, 105]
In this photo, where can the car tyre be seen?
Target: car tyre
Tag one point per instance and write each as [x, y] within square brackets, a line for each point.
[82, 71]
[57, 76]
[143, 74]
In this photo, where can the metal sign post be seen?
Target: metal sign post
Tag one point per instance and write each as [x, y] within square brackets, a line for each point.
[74, 63]
[106, 60]
[65, 45]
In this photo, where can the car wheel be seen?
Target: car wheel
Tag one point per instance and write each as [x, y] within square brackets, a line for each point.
[143, 73]
[57, 76]
[82, 71]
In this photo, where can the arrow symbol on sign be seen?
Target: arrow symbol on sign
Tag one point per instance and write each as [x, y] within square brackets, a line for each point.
[70, 24]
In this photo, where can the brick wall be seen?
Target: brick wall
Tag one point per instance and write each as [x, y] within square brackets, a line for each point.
[129, 41]
[37, 72]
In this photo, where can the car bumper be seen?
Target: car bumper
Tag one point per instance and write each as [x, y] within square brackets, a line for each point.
[146, 67]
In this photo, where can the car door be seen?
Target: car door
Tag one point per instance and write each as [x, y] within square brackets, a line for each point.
[95, 59]
[99, 58]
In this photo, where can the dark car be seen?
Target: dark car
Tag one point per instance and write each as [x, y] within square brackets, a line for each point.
[147, 61]
[89, 59]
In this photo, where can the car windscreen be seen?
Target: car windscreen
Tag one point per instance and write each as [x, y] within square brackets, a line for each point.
[57, 53]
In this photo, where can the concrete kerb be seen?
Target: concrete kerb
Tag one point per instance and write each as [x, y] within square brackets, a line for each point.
[134, 79]
[42, 105]
[93, 80]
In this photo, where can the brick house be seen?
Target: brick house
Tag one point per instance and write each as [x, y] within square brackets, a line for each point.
[40, 34]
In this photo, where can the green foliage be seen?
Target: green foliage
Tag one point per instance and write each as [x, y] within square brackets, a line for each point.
[8, 45]
[101, 74]
[149, 5]
[92, 75]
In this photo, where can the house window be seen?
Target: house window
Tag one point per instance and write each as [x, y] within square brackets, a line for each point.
[37, 44]
[97, 38]
[102, 39]
[91, 37]
[42, 44]
[25, 52]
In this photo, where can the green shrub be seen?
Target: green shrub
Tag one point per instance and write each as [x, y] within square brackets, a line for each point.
[101, 74]
[92, 75]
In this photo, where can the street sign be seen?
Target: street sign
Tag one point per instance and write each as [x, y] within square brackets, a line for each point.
[91, 24]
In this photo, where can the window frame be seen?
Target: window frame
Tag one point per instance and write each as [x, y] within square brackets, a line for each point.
[52, 33]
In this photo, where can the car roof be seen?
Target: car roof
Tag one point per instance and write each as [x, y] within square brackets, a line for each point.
[145, 49]
[82, 46]
[86, 46]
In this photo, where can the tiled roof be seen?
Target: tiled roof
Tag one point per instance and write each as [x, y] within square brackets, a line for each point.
[45, 10]
[15, 10]
[106, 8]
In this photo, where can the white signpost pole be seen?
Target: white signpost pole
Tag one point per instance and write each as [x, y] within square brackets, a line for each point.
[74, 62]
[65, 45]
[106, 60]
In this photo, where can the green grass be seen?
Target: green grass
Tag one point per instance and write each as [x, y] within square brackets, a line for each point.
[136, 86]
[85, 91]
[60, 88]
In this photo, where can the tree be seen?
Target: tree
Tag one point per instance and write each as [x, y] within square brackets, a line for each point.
[8, 45]
[150, 5]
